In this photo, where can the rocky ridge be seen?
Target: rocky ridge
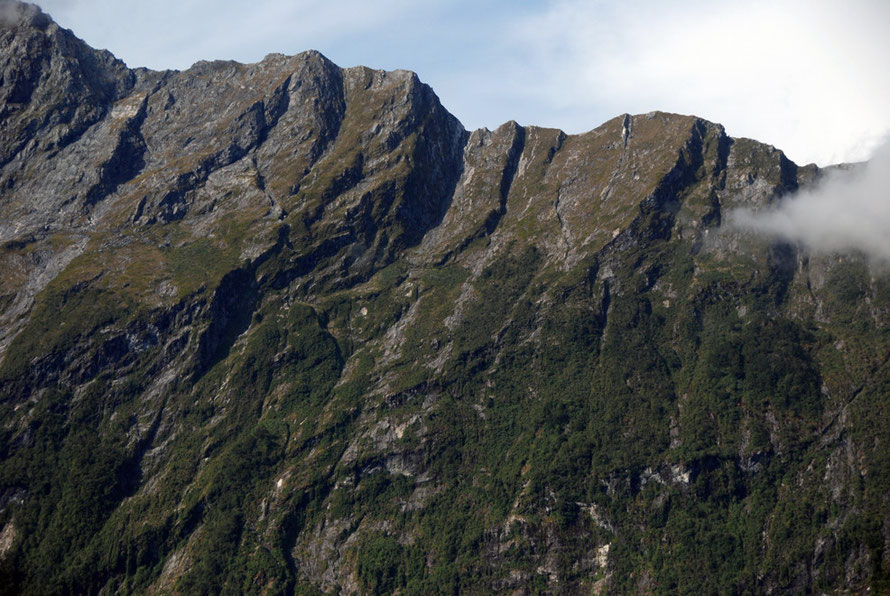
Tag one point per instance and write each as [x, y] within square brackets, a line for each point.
[285, 327]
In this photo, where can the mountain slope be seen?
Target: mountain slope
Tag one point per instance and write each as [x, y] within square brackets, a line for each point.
[287, 327]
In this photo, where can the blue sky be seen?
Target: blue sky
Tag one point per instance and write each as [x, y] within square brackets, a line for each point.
[810, 77]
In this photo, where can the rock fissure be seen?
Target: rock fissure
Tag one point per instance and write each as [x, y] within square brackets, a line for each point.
[284, 327]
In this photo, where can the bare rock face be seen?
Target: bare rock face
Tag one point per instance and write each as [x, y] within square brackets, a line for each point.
[286, 328]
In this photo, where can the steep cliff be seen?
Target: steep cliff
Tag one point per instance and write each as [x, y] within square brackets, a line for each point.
[286, 327]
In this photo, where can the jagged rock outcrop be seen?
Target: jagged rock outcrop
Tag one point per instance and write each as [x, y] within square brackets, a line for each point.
[285, 327]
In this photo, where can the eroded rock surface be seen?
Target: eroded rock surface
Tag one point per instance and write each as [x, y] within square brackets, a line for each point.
[284, 327]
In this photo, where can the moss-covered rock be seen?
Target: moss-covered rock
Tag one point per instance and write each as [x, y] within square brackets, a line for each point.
[289, 328]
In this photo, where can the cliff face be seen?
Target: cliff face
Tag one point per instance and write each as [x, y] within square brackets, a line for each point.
[287, 327]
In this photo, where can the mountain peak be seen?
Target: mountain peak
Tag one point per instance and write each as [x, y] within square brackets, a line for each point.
[287, 327]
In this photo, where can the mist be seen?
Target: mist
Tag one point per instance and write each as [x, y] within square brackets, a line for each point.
[11, 14]
[846, 211]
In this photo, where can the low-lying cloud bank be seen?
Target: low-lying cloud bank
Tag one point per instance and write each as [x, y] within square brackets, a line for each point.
[846, 211]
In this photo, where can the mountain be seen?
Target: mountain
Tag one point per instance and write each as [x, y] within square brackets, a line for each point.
[290, 328]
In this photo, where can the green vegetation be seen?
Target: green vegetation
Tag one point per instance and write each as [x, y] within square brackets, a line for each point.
[294, 388]
[538, 416]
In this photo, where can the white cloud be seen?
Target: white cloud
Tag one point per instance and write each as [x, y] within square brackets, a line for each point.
[846, 211]
[811, 77]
